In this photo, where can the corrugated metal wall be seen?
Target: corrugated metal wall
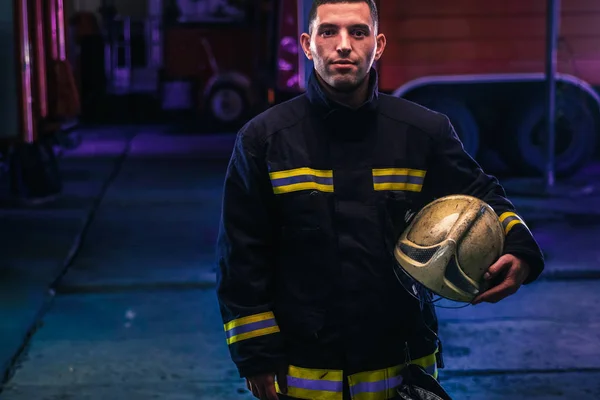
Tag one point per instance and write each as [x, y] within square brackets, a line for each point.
[440, 37]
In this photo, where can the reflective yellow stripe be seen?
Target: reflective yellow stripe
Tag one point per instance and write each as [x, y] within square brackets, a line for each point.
[509, 219]
[507, 214]
[399, 171]
[303, 186]
[253, 334]
[364, 385]
[389, 378]
[332, 375]
[427, 362]
[301, 171]
[305, 178]
[248, 320]
[308, 383]
[398, 179]
[511, 224]
[326, 384]
[411, 187]
[309, 394]
[250, 327]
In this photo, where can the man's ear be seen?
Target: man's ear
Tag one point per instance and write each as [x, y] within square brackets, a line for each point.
[305, 43]
[381, 42]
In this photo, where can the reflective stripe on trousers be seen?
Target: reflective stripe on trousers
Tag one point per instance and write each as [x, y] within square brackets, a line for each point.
[327, 384]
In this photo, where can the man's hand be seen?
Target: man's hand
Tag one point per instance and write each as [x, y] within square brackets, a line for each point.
[263, 386]
[512, 270]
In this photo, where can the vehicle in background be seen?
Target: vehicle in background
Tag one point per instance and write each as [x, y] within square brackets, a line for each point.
[204, 58]
[482, 63]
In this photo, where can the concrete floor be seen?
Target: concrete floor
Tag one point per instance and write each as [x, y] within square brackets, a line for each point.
[135, 316]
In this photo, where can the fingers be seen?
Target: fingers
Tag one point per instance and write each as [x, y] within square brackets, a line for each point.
[511, 271]
[261, 392]
[498, 267]
[252, 387]
[270, 392]
[506, 288]
[263, 388]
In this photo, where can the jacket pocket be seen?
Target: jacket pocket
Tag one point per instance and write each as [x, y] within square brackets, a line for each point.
[305, 210]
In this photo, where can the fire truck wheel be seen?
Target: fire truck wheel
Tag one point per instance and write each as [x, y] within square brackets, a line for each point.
[227, 104]
[524, 146]
[461, 118]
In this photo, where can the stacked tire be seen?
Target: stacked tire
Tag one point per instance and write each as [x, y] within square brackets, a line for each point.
[526, 135]
[522, 146]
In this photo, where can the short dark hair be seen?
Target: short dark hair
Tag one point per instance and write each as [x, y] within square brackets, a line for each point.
[312, 15]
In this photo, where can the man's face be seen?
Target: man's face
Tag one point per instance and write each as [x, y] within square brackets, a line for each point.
[343, 44]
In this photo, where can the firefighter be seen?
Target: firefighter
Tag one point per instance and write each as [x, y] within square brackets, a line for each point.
[316, 193]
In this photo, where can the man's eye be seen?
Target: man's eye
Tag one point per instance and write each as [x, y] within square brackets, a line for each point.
[360, 33]
[327, 32]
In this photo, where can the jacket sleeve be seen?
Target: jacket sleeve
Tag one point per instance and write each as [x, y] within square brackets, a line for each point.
[244, 276]
[453, 171]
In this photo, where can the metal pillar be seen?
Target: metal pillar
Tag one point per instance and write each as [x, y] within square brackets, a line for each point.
[40, 59]
[547, 186]
[26, 92]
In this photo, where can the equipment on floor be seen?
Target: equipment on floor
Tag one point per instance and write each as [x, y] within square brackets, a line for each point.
[448, 247]
[417, 384]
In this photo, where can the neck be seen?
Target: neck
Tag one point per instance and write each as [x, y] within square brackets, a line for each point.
[353, 98]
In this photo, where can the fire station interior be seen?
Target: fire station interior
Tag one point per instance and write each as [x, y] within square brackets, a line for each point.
[119, 118]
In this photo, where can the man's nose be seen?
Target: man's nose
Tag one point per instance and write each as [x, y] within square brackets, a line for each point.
[344, 45]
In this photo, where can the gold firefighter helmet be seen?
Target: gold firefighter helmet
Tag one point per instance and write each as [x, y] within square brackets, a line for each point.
[449, 245]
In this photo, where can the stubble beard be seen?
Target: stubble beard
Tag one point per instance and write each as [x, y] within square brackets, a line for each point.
[343, 83]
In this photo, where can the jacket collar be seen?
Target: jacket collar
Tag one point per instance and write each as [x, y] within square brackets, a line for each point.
[326, 107]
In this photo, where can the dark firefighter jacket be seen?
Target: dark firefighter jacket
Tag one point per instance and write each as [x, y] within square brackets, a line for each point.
[315, 196]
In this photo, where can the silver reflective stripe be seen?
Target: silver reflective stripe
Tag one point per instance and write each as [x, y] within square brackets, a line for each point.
[417, 180]
[314, 384]
[509, 220]
[254, 326]
[377, 386]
